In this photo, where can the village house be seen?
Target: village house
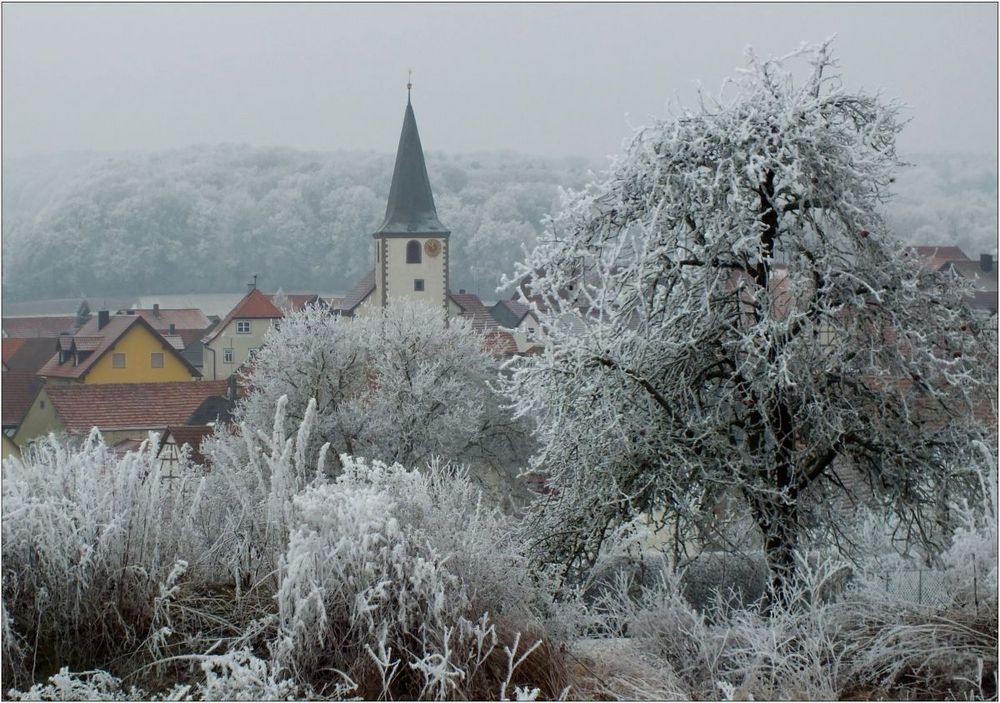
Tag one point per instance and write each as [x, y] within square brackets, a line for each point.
[177, 439]
[117, 349]
[241, 333]
[121, 411]
[188, 325]
[522, 321]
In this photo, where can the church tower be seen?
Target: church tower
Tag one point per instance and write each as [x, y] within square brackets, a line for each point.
[411, 244]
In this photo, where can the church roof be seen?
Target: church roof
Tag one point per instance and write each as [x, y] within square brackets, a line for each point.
[411, 204]
[362, 290]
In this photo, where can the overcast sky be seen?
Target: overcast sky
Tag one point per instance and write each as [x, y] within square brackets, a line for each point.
[548, 79]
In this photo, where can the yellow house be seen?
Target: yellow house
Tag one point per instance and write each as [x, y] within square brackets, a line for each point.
[117, 349]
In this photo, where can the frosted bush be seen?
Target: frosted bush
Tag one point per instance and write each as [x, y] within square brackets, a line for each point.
[829, 639]
[405, 583]
[242, 676]
[661, 619]
[88, 538]
[84, 686]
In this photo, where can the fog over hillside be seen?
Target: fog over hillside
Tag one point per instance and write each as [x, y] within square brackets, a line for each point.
[206, 218]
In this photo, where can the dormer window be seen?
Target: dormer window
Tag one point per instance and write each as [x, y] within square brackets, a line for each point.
[413, 252]
[243, 327]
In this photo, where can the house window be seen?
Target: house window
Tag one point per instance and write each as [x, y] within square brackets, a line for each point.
[227, 356]
[413, 252]
[118, 361]
[418, 284]
[156, 360]
[531, 334]
[243, 327]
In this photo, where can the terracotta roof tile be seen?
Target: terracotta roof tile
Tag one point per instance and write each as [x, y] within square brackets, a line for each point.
[500, 343]
[20, 386]
[37, 326]
[255, 305]
[129, 405]
[11, 345]
[935, 257]
[88, 343]
[297, 301]
[180, 318]
[474, 311]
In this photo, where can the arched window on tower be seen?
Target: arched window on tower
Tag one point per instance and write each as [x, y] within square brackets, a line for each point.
[413, 252]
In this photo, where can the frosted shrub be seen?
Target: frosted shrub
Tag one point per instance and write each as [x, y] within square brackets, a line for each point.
[242, 676]
[661, 619]
[86, 686]
[405, 584]
[88, 538]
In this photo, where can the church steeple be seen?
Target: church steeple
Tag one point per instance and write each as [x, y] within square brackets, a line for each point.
[410, 208]
[411, 244]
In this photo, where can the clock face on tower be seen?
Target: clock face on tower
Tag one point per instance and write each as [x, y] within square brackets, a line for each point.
[432, 247]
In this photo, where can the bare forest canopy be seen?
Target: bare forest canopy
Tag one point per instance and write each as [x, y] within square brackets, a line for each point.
[204, 219]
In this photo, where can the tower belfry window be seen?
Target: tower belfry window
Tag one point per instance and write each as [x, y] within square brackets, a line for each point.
[413, 252]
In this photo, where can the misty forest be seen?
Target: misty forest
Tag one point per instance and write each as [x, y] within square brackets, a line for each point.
[749, 451]
[205, 219]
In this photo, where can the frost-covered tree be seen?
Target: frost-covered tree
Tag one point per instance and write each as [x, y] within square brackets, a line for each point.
[756, 340]
[399, 386]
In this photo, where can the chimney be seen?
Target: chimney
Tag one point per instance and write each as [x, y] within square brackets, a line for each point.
[103, 318]
[461, 291]
[986, 262]
[173, 328]
[156, 309]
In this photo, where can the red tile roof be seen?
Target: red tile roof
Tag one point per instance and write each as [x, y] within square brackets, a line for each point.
[474, 311]
[935, 257]
[31, 353]
[99, 342]
[255, 305]
[180, 318]
[37, 326]
[362, 290]
[20, 386]
[297, 301]
[124, 406]
[500, 343]
[11, 345]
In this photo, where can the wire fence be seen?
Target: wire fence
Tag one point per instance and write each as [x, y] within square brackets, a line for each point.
[932, 587]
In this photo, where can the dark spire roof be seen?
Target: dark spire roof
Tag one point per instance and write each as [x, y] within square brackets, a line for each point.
[411, 204]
